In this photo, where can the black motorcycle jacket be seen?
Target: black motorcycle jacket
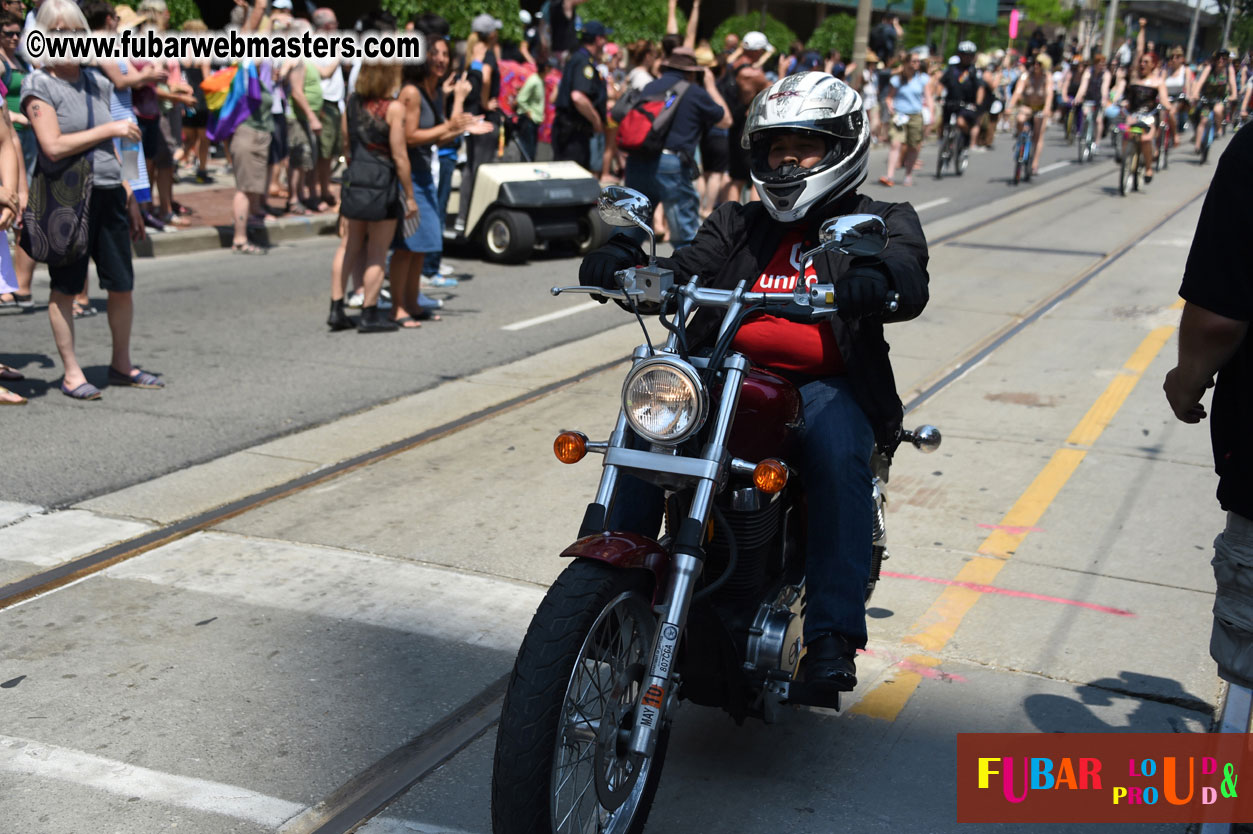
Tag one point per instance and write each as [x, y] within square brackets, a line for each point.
[736, 244]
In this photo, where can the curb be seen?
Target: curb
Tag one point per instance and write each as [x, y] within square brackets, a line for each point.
[204, 239]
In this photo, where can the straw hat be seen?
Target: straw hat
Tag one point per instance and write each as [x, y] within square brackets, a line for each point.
[128, 18]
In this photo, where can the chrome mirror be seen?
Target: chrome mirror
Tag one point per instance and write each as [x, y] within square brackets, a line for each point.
[620, 206]
[855, 234]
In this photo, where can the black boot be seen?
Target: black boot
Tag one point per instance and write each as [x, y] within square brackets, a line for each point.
[372, 322]
[829, 663]
[338, 319]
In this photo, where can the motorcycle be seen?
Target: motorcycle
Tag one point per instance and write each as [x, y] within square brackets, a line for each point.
[713, 611]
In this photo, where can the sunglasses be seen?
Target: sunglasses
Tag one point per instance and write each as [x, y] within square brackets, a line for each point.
[12, 34]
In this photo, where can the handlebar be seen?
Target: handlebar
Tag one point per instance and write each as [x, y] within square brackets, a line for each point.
[818, 302]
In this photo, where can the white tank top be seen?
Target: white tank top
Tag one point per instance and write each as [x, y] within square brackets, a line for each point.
[1175, 83]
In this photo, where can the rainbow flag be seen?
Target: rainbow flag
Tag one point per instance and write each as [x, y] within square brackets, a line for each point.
[242, 99]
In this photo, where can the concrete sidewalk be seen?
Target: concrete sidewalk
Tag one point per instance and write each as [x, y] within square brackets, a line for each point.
[210, 221]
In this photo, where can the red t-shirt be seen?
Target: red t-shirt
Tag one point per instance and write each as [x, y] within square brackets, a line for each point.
[773, 342]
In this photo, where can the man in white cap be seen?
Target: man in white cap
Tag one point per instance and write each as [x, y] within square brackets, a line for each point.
[742, 81]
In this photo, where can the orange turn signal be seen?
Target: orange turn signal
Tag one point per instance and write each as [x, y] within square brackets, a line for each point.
[570, 446]
[770, 476]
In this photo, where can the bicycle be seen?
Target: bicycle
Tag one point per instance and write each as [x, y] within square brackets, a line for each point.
[1132, 160]
[1165, 137]
[953, 148]
[1207, 125]
[1087, 132]
[1023, 147]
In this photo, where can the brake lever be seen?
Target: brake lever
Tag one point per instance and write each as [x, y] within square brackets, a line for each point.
[620, 295]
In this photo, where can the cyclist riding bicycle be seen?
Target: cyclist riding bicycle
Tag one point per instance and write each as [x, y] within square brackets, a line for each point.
[1094, 86]
[1179, 81]
[1145, 92]
[1032, 103]
[1215, 84]
[963, 93]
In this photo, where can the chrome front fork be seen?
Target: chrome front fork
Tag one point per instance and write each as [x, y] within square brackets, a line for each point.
[657, 692]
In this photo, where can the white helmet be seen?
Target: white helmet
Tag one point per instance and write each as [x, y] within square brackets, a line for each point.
[810, 102]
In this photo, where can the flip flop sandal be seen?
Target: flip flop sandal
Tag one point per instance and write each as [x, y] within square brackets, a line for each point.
[24, 300]
[81, 312]
[86, 391]
[139, 379]
[11, 302]
[9, 374]
[297, 209]
[19, 401]
[248, 249]
[408, 323]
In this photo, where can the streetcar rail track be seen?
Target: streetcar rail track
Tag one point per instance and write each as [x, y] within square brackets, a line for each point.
[72, 571]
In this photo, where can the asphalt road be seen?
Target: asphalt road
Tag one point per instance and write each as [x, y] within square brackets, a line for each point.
[242, 345]
[1049, 567]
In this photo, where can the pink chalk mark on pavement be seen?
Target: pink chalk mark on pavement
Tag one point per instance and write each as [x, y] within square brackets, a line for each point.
[1013, 531]
[991, 589]
[909, 666]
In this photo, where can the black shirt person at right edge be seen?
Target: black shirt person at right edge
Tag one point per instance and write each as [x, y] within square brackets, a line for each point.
[1214, 339]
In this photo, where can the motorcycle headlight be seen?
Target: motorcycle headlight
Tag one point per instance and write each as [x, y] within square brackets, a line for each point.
[665, 400]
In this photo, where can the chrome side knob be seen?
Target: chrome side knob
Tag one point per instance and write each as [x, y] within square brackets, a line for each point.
[925, 438]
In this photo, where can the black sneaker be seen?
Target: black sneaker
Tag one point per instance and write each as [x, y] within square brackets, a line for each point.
[203, 178]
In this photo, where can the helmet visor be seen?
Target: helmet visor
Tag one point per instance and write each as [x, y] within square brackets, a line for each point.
[835, 148]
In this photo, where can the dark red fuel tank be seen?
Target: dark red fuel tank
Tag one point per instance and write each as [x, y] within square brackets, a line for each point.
[769, 418]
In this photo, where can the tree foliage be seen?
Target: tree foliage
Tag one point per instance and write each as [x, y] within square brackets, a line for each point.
[915, 29]
[836, 32]
[459, 14]
[779, 35]
[631, 20]
[1039, 12]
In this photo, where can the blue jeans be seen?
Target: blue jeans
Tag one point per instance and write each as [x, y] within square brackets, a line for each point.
[447, 164]
[661, 180]
[837, 444]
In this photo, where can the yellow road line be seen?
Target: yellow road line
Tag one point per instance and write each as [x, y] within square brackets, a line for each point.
[939, 623]
[887, 699]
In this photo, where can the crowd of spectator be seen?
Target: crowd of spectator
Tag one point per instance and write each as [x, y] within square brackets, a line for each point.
[398, 137]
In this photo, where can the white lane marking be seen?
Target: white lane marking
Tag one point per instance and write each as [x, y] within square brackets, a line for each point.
[19, 755]
[329, 582]
[560, 314]
[54, 538]
[932, 204]
[48, 761]
[1054, 167]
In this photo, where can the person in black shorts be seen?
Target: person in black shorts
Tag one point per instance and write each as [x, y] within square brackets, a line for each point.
[715, 161]
[66, 103]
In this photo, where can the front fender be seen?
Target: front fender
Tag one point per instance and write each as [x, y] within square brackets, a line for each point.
[624, 550]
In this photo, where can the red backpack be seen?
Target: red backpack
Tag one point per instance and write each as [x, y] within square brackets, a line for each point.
[647, 119]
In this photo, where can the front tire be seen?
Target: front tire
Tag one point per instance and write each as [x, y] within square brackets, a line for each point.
[580, 665]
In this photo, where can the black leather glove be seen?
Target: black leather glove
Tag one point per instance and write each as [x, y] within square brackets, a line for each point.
[599, 265]
[862, 291]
